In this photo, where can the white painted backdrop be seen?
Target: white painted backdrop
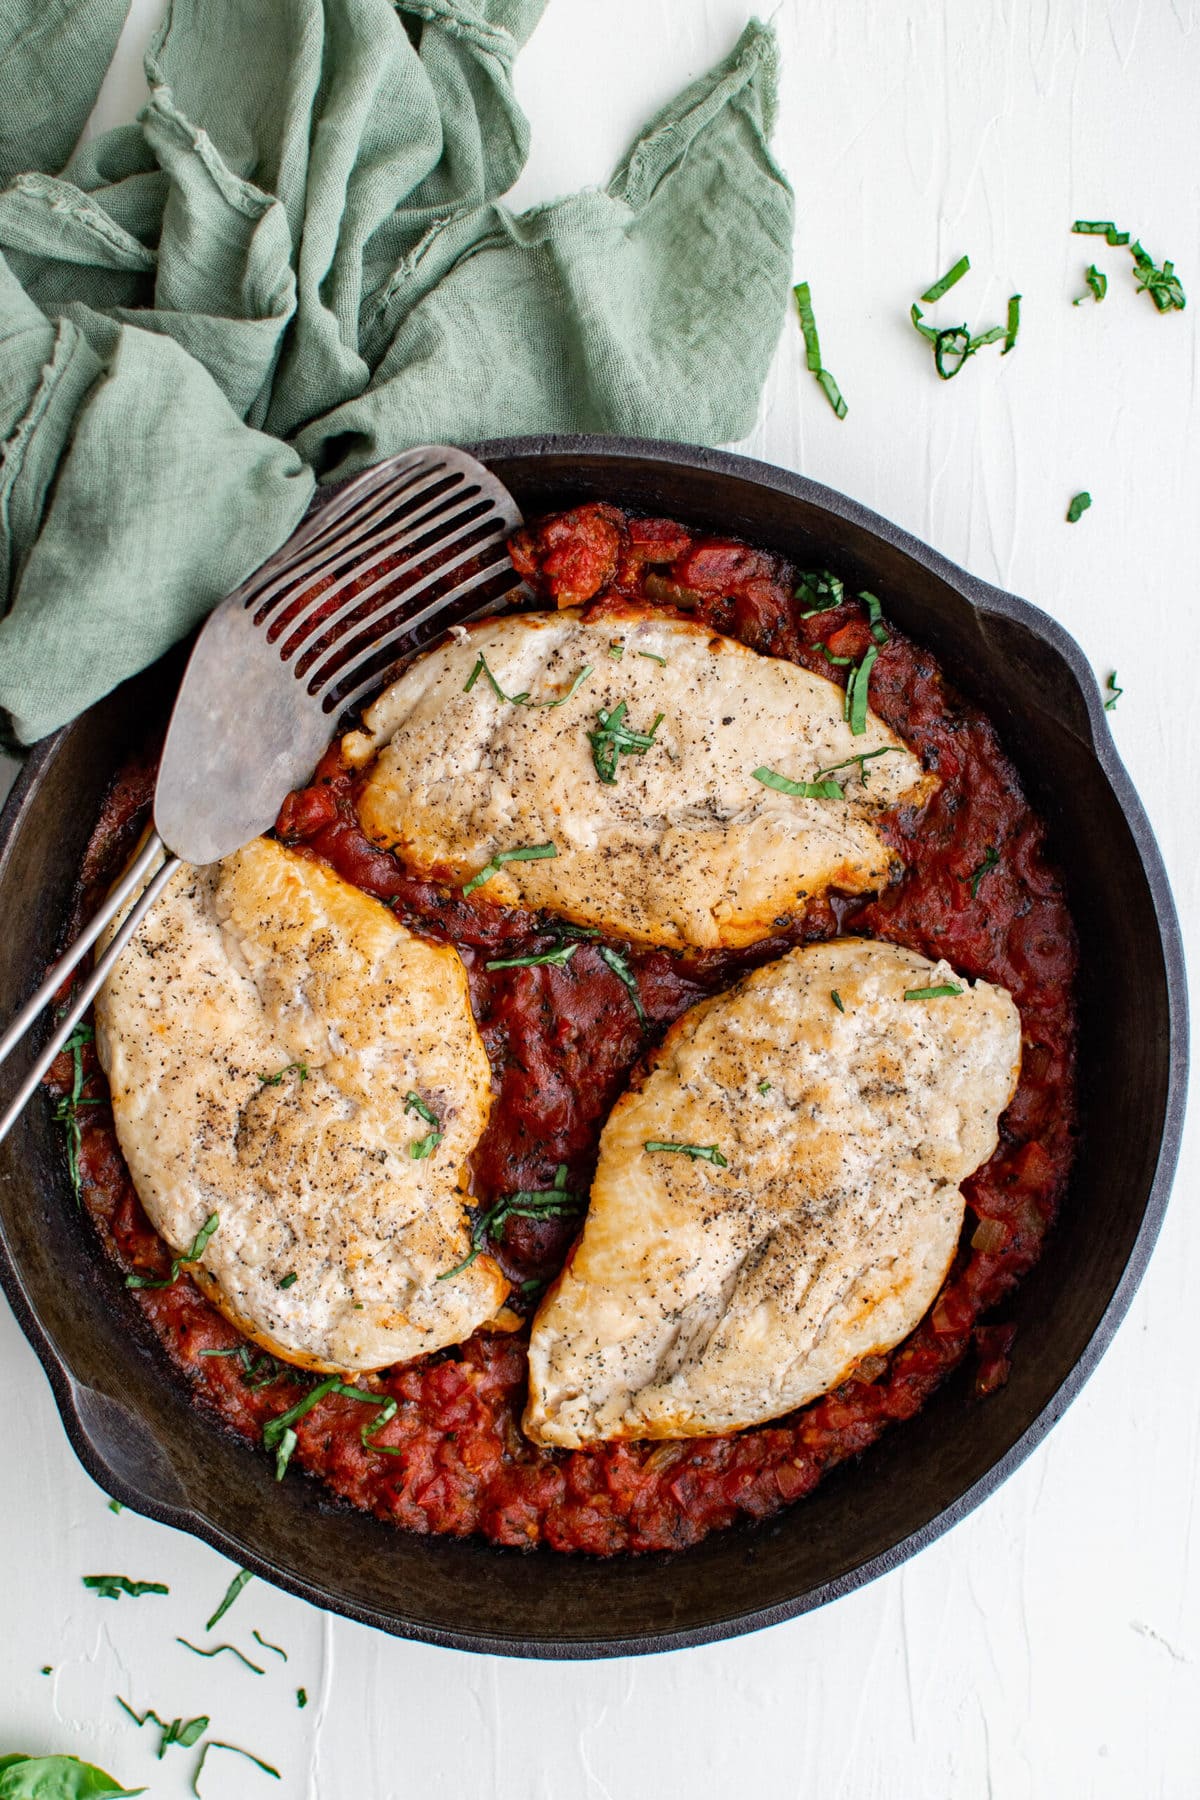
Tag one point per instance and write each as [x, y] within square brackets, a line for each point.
[1050, 1645]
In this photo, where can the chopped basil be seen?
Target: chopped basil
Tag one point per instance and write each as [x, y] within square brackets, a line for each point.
[184, 1732]
[837, 1000]
[812, 350]
[231, 1593]
[217, 1650]
[698, 1152]
[841, 662]
[199, 1245]
[991, 860]
[216, 1744]
[553, 959]
[284, 1450]
[624, 973]
[945, 991]
[428, 1144]
[1097, 286]
[799, 790]
[1078, 507]
[526, 853]
[947, 281]
[278, 1434]
[1014, 323]
[616, 648]
[1162, 285]
[1101, 228]
[481, 668]
[66, 1111]
[613, 739]
[301, 1697]
[764, 1087]
[879, 630]
[857, 691]
[862, 759]
[926, 331]
[1114, 692]
[555, 1202]
[653, 656]
[274, 1080]
[111, 1587]
[822, 591]
[269, 1646]
[951, 349]
[289, 1280]
[115, 1506]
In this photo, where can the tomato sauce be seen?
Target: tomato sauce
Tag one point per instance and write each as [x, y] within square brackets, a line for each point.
[977, 887]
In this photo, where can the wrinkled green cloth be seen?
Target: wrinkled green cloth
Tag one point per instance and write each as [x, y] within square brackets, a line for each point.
[296, 262]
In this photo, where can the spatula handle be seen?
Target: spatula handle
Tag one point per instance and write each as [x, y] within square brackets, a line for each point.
[95, 981]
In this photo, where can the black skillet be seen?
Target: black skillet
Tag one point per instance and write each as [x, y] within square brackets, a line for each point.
[129, 1416]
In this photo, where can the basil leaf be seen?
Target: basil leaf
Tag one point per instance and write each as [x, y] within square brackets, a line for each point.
[821, 591]
[951, 349]
[1114, 692]
[300, 1068]
[1097, 286]
[217, 1650]
[1101, 228]
[624, 973]
[481, 668]
[948, 280]
[268, 1646]
[862, 759]
[1162, 285]
[527, 853]
[991, 860]
[553, 959]
[857, 690]
[837, 1000]
[530, 1203]
[301, 1697]
[799, 790]
[879, 630]
[274, 1428]
[231, 1593]
[184, 1732]
[812, 350]
[289, 1280]
[1013, 325]
[425, 1146]
[66, 1110]
[111, 1587]
[653, 656]
[613, 739]
[200, 1244]
[216, 1744]
[1078, 507]
[58, 1778]
[698, 1152]
[945, 991]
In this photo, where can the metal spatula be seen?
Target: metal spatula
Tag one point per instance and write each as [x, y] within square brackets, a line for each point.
[376, 571]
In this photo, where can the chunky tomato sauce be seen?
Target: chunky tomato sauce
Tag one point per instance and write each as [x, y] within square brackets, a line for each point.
[977, 888]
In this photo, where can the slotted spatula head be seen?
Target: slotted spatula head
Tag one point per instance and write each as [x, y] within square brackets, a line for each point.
[376, 571]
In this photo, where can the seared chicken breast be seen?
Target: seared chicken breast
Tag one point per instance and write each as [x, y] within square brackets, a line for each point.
[623, 750]
[779, 1197]
[284, 1054]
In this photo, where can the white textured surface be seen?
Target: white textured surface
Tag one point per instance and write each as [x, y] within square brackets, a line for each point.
[1050, 1645]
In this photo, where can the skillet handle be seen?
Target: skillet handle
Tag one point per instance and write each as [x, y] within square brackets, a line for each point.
[95, 980]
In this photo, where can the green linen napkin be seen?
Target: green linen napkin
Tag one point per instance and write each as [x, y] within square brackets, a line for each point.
[296, 262]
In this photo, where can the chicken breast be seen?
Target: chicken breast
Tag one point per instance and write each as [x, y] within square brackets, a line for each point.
[837, 1107]
[665, 836]
[284, 1054]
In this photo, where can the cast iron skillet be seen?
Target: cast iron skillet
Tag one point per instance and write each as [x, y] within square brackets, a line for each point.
[129, 1417]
